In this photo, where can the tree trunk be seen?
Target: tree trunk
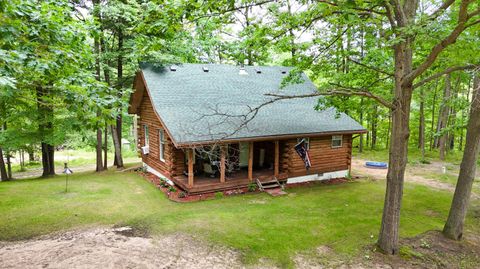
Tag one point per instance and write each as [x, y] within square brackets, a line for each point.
[374, 126]
[3, 170]
[443, 118]
[118, 155]
[421, 126]
[116, 145]
[105, 148]
[388, 238]
[454, 226]
[433, 139]
[453, 118]
[31, 154]
[48, 162]
[99, 159]
[360, 146]
[9, 166]
[465, 111]
[387, 143]
[45, 126]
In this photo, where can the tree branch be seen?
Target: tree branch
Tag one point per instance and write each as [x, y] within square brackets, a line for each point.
[233, 9]
[368, 10]
[438, 48]
[371, 67]
[444, 72]
[342, 92]
[441, 9]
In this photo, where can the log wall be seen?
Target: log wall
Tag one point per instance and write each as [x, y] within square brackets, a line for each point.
[323, 157]
[173, 156]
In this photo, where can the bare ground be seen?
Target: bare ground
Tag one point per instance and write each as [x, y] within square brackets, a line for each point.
[359, 169]
[112, 248]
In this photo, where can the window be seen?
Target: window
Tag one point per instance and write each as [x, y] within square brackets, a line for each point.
[337, 141]
[161, 144]
[147, 139]
[306, 140]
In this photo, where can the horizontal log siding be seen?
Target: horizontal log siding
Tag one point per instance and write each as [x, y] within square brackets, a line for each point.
[147, 116]
[179, 162]
[323, 157]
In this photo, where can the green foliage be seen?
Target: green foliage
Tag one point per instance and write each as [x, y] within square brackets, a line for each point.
[252, 187]
[408, 253]
[219, 195]
[182, 194]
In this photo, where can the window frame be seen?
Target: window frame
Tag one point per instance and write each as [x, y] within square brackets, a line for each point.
[337, 138]
[161, 144]
[307, 141]
[146, 136]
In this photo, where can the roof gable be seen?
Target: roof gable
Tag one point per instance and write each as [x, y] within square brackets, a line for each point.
[198, 106]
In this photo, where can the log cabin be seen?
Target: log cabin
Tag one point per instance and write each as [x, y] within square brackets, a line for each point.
[214, 127]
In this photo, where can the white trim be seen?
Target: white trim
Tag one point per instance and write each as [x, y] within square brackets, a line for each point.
[146, 135]
[318, 177]
[158, 174]
[161, 144]
[335, 137]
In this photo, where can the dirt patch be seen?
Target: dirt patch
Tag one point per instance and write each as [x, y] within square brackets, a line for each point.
[428, 250]
[433, 250]
[110, 248]
[380, 174]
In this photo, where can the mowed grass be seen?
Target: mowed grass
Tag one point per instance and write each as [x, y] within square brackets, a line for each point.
[414, 155]
[345, 217]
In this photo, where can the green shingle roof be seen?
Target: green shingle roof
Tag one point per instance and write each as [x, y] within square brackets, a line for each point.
[198, 106]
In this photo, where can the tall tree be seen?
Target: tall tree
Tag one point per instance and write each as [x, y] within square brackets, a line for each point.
[410, 61]
[421, 125]
[456, 217]
[3, 170]
[443, 118]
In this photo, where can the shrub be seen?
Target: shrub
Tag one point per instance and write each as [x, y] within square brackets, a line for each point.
[171, 189]
[182, 194]
[219, 195]
[252, 187]
[424, 161]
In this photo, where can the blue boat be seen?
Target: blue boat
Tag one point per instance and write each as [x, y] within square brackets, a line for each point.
[378, 165]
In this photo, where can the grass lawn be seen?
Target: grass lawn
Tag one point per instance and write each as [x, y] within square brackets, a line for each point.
[414, 155]
[345, 217]
[77, 157]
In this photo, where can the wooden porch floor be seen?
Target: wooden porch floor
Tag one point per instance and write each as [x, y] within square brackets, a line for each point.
[239, 179]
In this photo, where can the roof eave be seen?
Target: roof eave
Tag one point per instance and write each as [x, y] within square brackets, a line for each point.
[264, 138]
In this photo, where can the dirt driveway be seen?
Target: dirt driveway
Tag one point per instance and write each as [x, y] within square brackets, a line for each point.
[111, 248]
[359, 169]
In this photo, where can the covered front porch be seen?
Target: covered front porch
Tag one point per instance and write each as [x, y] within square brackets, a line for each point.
[230, 166]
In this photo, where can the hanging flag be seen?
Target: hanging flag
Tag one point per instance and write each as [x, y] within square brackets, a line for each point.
[302, 151]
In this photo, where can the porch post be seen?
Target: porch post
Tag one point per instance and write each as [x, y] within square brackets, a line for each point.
[277, 159]
[250, 161]
[222, 163]
[190, 167]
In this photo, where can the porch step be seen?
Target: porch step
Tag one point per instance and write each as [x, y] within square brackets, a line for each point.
[271, 187]
[270, 182]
